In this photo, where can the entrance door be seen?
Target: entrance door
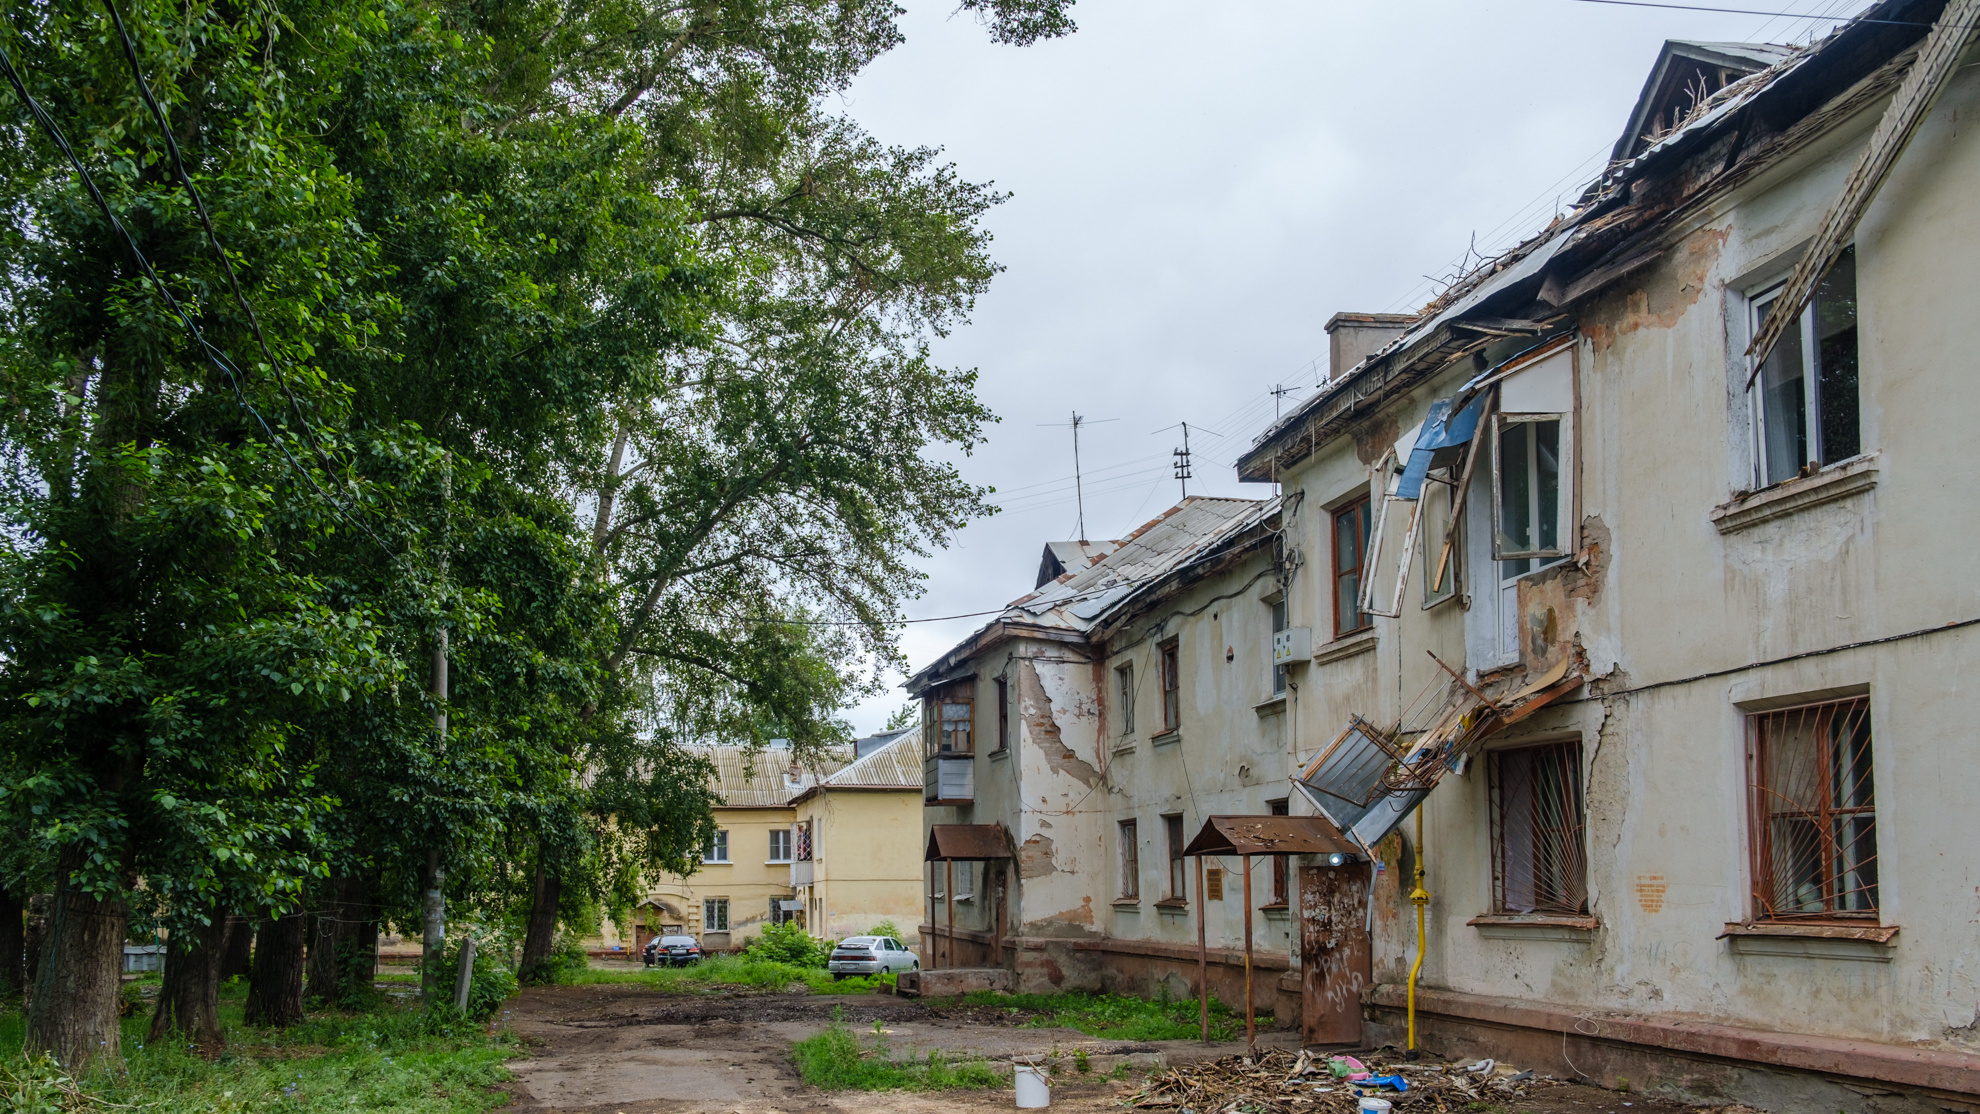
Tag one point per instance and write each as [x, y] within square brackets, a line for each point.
[1335, 960]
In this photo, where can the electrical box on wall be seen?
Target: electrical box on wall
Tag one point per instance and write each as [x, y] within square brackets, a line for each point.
[1295, 644]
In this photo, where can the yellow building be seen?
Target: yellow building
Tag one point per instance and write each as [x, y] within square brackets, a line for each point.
[857, 850]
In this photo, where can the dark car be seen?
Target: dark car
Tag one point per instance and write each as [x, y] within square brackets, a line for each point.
[671, 951]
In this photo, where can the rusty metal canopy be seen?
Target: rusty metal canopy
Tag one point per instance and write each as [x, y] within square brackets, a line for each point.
[967, 842]
[1269, 835]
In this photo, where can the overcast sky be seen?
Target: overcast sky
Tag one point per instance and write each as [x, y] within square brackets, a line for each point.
[1198, 185]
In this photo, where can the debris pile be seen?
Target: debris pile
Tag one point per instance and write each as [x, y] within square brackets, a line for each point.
[1282, 1082]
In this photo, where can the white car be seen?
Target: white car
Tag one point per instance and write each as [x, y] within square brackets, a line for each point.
[870, 955]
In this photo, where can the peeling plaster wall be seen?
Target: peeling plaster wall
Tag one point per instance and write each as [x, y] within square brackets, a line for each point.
[1664, 439]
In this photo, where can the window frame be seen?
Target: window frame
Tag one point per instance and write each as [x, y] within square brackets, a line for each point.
[1564, 535]
[1281, 864]
[1170, 655]
[719, 842]
[1178, 838]
[1805, 336]
[1127, 860]
[1760, 837]
[1365, 505]
[787, 841]
[1572, 840]
[1430, 541]
[709, 905]
[1003, 716]
[1124, 693]
[1281, 621]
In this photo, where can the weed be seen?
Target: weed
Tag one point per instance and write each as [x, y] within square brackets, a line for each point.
[835, 1061]
[1081, 1062]
[1115, 1016]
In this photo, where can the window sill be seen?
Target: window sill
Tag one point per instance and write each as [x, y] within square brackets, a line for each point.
[1789, 496]
[1346, 646]
[1000, 755]
[1128, 904]
[1126, 746]
[1278, 909]
[1166, 738]
[938, 802]
[776, 862]
[1172, 905]
[1796, 940]
[1271, 707]
[1515, 926]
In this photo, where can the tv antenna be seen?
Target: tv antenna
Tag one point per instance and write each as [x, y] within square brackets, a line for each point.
[1079, 491]
[1182, 461]
[1279, 393]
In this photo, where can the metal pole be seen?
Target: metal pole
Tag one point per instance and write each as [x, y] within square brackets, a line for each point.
[1202, 959]
[1250, 1022]
[949, 895]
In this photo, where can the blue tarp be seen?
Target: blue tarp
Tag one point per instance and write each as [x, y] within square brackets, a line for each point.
[1441, 430]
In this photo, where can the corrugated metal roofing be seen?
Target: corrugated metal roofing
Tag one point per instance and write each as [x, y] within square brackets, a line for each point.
[761, 778]
[894, 766]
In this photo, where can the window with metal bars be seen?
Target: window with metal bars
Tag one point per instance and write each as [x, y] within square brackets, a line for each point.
[1813, 815]
[1538, 862]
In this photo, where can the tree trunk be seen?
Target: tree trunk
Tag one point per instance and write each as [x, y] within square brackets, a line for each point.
[321, 965]
[545, 895]
[343, 949]
[37, 935]
[275, 991]
[73, 1015]
[433, 931]
[13, 944]
[189, 995]
[237, 954]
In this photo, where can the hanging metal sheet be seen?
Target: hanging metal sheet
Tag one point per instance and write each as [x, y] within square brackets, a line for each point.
[1441, 430]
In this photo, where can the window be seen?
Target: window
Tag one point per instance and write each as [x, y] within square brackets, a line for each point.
[1278, 624]
[1130, 861]
[715, 914]
[803, 849]
[1538, 863]
[1124, 684]
[1281, 868]
[958, 716]
[1809, 412]
[1813, 814]
[1003, 714]
[1178, 877]
[1440, 582]
[1171, 686]
[717, 850]
[965, 879]
[780, 845]
[783, 910]
[952, 744]
[1530, 477]
[1351, 529]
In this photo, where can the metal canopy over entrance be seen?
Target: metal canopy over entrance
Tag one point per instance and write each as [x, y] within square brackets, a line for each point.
[952, 843]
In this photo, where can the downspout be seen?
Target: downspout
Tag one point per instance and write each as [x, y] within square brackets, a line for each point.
[1420, 898]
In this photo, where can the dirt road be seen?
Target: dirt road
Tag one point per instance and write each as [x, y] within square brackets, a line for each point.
[630, 1050]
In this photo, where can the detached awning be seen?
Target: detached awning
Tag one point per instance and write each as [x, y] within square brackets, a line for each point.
[1269, 835]
[967, 843]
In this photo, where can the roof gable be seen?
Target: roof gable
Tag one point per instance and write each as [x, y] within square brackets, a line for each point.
[1687, 74]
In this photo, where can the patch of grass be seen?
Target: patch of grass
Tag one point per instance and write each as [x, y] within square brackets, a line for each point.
[1114, 1016]
[836, 1061]
[730, 970]
[400, 1060]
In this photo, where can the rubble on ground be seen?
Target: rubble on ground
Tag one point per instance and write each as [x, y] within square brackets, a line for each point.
[1282, 1082]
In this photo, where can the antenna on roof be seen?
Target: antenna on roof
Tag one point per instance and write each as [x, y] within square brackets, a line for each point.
[1079, 490]
[1182, 461]
[1279, 393]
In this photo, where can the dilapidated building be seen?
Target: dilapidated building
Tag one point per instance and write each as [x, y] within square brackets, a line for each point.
[1630, 570]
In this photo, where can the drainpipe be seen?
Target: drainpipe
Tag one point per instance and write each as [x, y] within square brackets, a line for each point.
[1420, 898]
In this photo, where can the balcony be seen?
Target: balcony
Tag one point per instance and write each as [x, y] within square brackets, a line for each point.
[950, 779]
[801, 874]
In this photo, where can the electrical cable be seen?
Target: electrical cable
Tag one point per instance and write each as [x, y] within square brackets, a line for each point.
[213, 355]
[1754, 11]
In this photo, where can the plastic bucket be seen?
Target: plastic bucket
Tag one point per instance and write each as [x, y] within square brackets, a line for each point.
[1033, 1092]
[1372, 1105]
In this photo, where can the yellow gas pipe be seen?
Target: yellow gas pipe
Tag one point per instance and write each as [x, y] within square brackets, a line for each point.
[1418, 897]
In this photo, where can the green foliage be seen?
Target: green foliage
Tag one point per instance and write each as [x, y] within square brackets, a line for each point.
[836, 1061]
[566, 965]
[887, 929]
[490, 984]
[789, 944]
[731, 971]
[1114, 1016]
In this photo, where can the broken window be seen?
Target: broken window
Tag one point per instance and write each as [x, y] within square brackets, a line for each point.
[1809, 412]
[1352, 525]
[1278, 624]
[1814, 816]
[1538, 862]
[1130, 861]
[1281, 864]
[1124, 685]
[1003, 714]
[1533, 463]
[715, 914]
[1171, 686]
[1440, 567]
[1178, 875]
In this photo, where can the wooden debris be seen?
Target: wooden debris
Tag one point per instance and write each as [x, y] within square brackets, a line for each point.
[1277, 1081]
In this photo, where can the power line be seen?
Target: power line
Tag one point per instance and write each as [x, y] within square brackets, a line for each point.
[1754, 11]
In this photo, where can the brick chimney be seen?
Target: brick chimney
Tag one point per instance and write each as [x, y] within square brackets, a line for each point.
[1352, 337]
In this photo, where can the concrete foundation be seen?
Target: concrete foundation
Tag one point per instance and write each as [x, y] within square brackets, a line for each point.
[949, 982]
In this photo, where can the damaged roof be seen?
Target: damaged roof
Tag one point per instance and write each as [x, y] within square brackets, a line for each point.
[1074, 604]
[1723, 140]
